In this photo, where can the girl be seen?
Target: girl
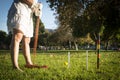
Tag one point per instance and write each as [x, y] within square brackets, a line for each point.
[20, 24]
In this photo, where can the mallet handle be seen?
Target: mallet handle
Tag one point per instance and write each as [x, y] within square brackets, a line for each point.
[36, 35]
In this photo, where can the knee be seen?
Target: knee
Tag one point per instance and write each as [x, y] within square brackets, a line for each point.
[17, 39]
[17, 36]
[26, 40]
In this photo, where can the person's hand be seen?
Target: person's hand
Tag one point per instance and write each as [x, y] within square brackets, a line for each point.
[37, 9]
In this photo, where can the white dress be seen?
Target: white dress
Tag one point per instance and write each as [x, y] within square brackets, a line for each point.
[20, 17]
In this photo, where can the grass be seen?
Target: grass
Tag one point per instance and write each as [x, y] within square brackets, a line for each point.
[109, 66]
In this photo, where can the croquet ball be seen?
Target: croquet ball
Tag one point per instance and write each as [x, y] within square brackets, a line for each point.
[66, 63]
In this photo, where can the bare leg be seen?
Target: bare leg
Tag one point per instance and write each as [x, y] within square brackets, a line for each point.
[26, 50]
[16, 39]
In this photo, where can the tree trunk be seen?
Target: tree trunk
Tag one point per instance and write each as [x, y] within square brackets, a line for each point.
[106, 45]
[69, 44]
[76, 46]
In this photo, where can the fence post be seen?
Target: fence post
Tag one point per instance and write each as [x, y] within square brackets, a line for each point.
[98, 51]
[87, 59]
[68, 59]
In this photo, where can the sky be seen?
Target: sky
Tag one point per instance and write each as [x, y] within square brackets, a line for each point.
[47, 15]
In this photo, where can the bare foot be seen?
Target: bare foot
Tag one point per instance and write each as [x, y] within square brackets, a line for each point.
[20, 70]
[17, 68]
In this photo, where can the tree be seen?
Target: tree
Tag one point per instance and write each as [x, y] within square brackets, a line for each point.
[8, 40]
[3, 37]
[89, 16]
[111, 12]
[66, 10]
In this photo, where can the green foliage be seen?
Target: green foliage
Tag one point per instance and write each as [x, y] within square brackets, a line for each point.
[89, 16]
[3, 36]
[109, 66]
[66, 11]
[79, 26]
[5, 40]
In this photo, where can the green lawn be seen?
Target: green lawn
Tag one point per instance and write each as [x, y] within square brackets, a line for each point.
[109, 66]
